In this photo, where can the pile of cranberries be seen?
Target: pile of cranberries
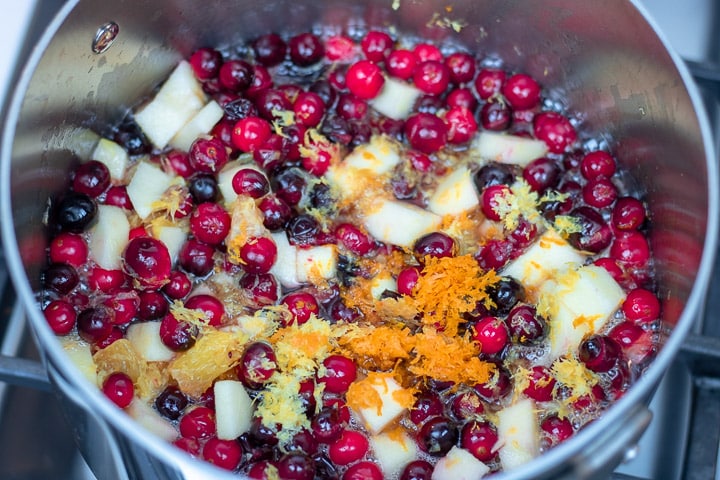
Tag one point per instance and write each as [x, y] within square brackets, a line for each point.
[327, 83]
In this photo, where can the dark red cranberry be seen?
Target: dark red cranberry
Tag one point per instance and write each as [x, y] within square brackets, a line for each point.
[461, 125]
[467, 405]
[288, 185]
[276, 212]
[294, 139]
[196, 257]
[339, 312]
[262, 80]
[353, 239]
[94, 324]
[461, 66]
[309, 109]
[60, 277]
[489, 82]
[641, 306]
[257, 365]
[340, 373]
[494, 254]
[131, 138]
[630, 248]
[491, 334]
[599, 192]
[251, 182]
[521, 91]
[524, 234]
[307, 397]
[351, 107]
[425, 132]
[495, 116]
[270, 154]
[306, 49]
[462, 97]
[212, 308]
[628, 214]
[119, 388]
[75, 212]
[68, 248]
[401, 64]
[302, 305]
[208, 155]
[171, 402]
[541, 385]
[148, 261]
[427, 51]
[493, 174]
[524, 325]
[117, 196]
[417, 470]
[427, 405]
[479, 438]
[364, 79]
[437, 436]
[303, 442]
[436, 245]
[327, 425]
[262, 288]
[203, 188]
[269, 49]
[205, 62]
[490, 200]
[350, 447]
[258, 255]
[376, 45]
[431, 104]
[271, 102]
[599, 353]
[365, 470]
[324, 90]
[61, 316]
[541, 174]
[555, 130]
[234, 110]
[595, 235]
[178, 162]
[225, 454]
[499, 385]
[198, 423]
[236, 75]
[431, 77]
[210, 223]
[249, 133]
[177, 335]
[152, 305]
[303, 230]
[556, 429]
[596, 164]
[505, 294]
[91, 178]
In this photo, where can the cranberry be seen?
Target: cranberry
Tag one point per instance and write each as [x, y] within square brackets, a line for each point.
[171, 402]
[327, 425]
[303, 230]
[363, 471]
[490, 200]
[262, 470]
[417, 470]
[521, 91]
[119, 388]
[251, 182]
[376, 45]
[495, 116]
[178, 286]
[309, 402]
[205, 62]
[479, 438]
[94, 324]
[431, 77]
[461, 66]
[426, 132]
[225, 454]
[599, 192]
[339, 312]
[152, 305]
[303, 442]
[178, 162]
[262, 80]
[270, 154]
[340, 373]
[641, 306]
[257, 365]
[339, 48]
[467, 405]
[401, 64]
[524, 234]
[91, 178]
[556, 429]
[61, 278]
[491, 334]
[289, 185]
[75, 212]
[437, 436]
[148, 261]
[129, 136]
[461, 97]
[524, 325]
[594, 235]
[203, 187]
[555, 130]
[542, 174]
[212, 308]
[427, 51]
[116, 333]
[612, 268]
[236, 75]
[198, 423]
[250, 132]
[636, 343]
[276, 212]
[364, 79]
[541, 385]
[271, 102]
[61, 316]
[489, 82]
[177, 335]
[351, 107]
[269, 49]
[599, 353]
[497, 387]
[117, 196]
[461, 125]
[306, 49]
[210, 223]
[196, 257]
[353, 239]
[427, 405]
[350, 447]
[436, 245]
[631, 248]
[596, 164]
[258, 255]
[309, 109]
[208, 155]
[494, 254]
[493, 174]
[106, 281]
[124, 306]
[302, 305]
[628, 214]
[263, 288]
[68, 248]
[407, 279]
[189, 445]
[505, 294]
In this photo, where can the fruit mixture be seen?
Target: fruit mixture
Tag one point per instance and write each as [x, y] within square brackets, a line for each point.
[352, 255]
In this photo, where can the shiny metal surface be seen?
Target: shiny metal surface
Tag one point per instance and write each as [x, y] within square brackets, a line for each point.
[604, 58]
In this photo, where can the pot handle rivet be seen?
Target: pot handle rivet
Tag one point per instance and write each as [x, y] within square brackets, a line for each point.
[105, 36]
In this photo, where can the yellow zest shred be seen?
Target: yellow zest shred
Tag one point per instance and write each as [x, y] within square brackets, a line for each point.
[281, 404]
[192, 316]
[566, 225]
[572, 373]
[283, 118]
[301, 348]
[149, 378]
[171, 201]
[519, 202]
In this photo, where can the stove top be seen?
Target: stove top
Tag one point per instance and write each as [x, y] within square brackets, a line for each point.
[683, 439]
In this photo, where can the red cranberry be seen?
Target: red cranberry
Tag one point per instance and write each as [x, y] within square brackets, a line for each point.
[257, 365]
[427, 51]
[555, 130]
[261, 81]
[353, 239]
[303, 442]
[599, 192]
[628, 214]
[467, 405]
[210, 223]
[189, 445]
[427, 405]
[68, 248]
[363, 471]
[147, 260]
[542, 384]
[262, 470]
[91, 178]
[225, 454]
[494, 254]
[205, 62]
[271, 102]
[250, 133]
[521, 91]
[178, 286]
[306, 49]
[152, 305]
[431, 77]
[124, 306]
[495, 116]
[631, 248]
[106, 281]
[641, 306]
[75, 212]
[289, 185]
[636, 343]
[61, 316]
[417, 470]
[276, 212]
[236, 75]
[258, 255]
[479, 438]
[212, 308]
[116, 333]
[461, 66]
[461, 97]
[196, 257]
[340, 373]
[426, 132]
[339, 48]
[594, 235]
[117, 196]
[208, 155]
[599, 353]
[556, 429]
[490, 200]
[179, 163]
[171, 402]
[364, 79]
[524, 234]
[612, 268]
[309, 109]
[436, 245]
[401, 64]
[309, 402]
[119, 388]
[351, 107]
[350, 447]
[541, 174]
[491, 334]
[461, 125]
[407, 279]
[94, 324]
[376, 45]
[263, 288]
[596, 164]
[177, 335]
[327, 425]
[198, 423]
[248, 181]
[437, 436]
[489, 82]
[497, 387]
[302, 305]
[269, 49]
[524, 325]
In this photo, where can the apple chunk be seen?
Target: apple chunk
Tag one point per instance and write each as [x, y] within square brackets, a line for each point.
[149, 418]
[376, 418]
[518, 434]
[145, 338]
[108, 237]
[393, 451]
[316, 263]
[147, 186]
[200, 124]
[400, 223]
[113, 156]
[504, 148]
[233, 409]
[455, 194]
[396, 99]
[285, 267]
[459, 464]
[80, 355]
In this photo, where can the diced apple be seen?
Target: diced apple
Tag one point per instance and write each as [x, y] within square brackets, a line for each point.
[177, 101]
[393, 452]
[200, 124]
[549, 255]
[113, 156]
[396, 99]
[459, 464]
[285, 267]
[381, 282]
[173, 237]
[108, 237]
[504, 148]
[80, 355]
[379, 156]
[151, 420]
[233, 409]
[455, 194]
[374, 419]
[246, 220]
[518, 434]
[147, 186]
[400, 223]
[226, 175]
[579, 303]
[316, 263]
[145, 338]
